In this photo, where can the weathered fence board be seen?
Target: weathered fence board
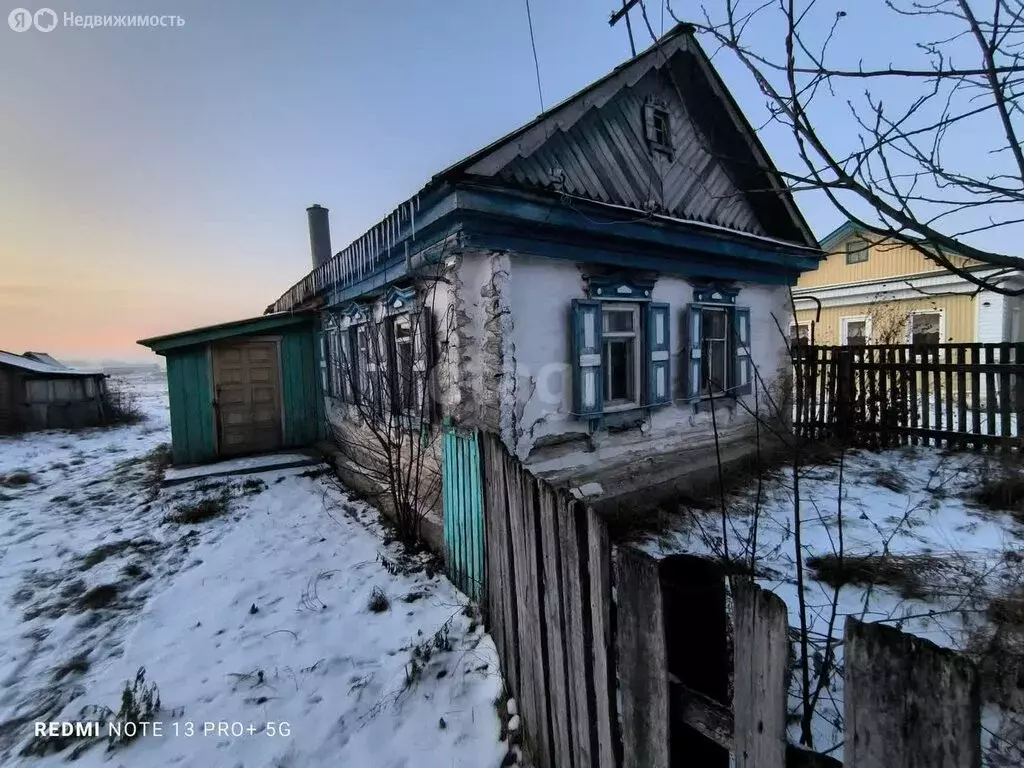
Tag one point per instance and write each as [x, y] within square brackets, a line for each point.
[761, 663]
[642, 661]
[558, 701]
[598, 547]
[940, 394]
[576, 649]
[556, 558]
[907, 702]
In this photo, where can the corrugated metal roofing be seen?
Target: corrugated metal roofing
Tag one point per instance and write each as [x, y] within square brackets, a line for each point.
[37, 366]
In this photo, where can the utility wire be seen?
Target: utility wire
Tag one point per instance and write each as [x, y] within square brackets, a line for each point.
[536, 64]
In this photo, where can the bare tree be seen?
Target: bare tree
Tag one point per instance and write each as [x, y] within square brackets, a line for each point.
[928, 148]
[382, 375]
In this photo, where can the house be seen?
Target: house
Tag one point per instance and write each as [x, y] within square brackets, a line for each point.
[242, 387]
[586, 287]
[875, 291]
[37, 392]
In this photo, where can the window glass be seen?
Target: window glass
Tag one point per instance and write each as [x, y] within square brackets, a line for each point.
[405, 386]
[620, 355]
[924, 328]
[714, 325]
[856, 332]
[856, 251]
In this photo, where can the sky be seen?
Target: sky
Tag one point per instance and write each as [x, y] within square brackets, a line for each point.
[153, 180]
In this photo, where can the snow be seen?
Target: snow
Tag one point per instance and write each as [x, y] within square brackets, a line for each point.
[258, 616]
[906, 502]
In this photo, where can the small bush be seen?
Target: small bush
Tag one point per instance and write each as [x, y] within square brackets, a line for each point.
[121, 407]
[909, 575]
[378, 601]
[17, 478]
[1002, 493]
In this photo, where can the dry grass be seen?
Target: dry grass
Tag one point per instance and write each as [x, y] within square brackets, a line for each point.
[200, 511]
[17, 478]
[910, 575]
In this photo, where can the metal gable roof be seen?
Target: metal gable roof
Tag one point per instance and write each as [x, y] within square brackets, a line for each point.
[231, 329]
[37, 366]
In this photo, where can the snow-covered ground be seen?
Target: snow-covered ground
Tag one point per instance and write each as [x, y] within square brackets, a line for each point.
[912, 509]
[258, 616]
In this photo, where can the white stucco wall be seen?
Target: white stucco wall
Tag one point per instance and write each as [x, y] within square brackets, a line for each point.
[540, 292]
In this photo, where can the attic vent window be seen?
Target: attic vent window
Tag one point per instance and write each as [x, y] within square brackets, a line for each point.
[658, 127]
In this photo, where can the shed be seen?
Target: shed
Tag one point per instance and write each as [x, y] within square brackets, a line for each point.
[243, 387]
[37, 392]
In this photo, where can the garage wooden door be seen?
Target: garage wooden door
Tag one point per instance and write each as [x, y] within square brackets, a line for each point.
[248, 395]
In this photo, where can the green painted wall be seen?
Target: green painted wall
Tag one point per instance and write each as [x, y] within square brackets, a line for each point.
[300, 388]
[191, 398]
[191, 401]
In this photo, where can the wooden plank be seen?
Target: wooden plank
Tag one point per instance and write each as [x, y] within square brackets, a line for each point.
[947, 355]
[761, 658]
[599, 571]
[975, 392]
[576, 631]
[926, 393]
[555, 635]
[990, 392]
[821, 392]
[884, 389]
[1018, 389]
[532, 592]
[937, 394]
[531, 671]
[961, 395]
[1004, 391]
[915, 416]
[908, 702]
[500, 620]
[641, 660]
[692, 709]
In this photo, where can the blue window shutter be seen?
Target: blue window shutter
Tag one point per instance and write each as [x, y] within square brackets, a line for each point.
[742, 365]
[587, 371]
[692, 352]
[656, 323]
[323, 364]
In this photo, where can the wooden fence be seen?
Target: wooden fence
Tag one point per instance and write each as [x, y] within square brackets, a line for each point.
[593, 674]
[548, 605]
[907, 702]
[952, 395]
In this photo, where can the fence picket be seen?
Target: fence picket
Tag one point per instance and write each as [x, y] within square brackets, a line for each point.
[907, 702]
[990, 394]
[912, 394]
[761, 663]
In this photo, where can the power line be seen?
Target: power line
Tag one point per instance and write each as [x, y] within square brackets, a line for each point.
[536, 63]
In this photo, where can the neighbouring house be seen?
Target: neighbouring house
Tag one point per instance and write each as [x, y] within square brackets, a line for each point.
[38, 392]
[585, 287]
[882, 292]
[243, 387]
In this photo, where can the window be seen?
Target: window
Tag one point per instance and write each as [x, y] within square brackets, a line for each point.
[620, 352]
[620, 358]
[717, 353]
[658, 126]
[799, 334]
[714, 373]
[855, 331]
[404, 382]
[856, 251]
[368, 366]
[924, 328]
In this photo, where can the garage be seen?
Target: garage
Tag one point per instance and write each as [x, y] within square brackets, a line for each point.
[242, 388]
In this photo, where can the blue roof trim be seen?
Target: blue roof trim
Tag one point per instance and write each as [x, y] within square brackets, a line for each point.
[501, 219]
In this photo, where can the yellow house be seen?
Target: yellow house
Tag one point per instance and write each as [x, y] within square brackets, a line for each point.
[883, 292]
